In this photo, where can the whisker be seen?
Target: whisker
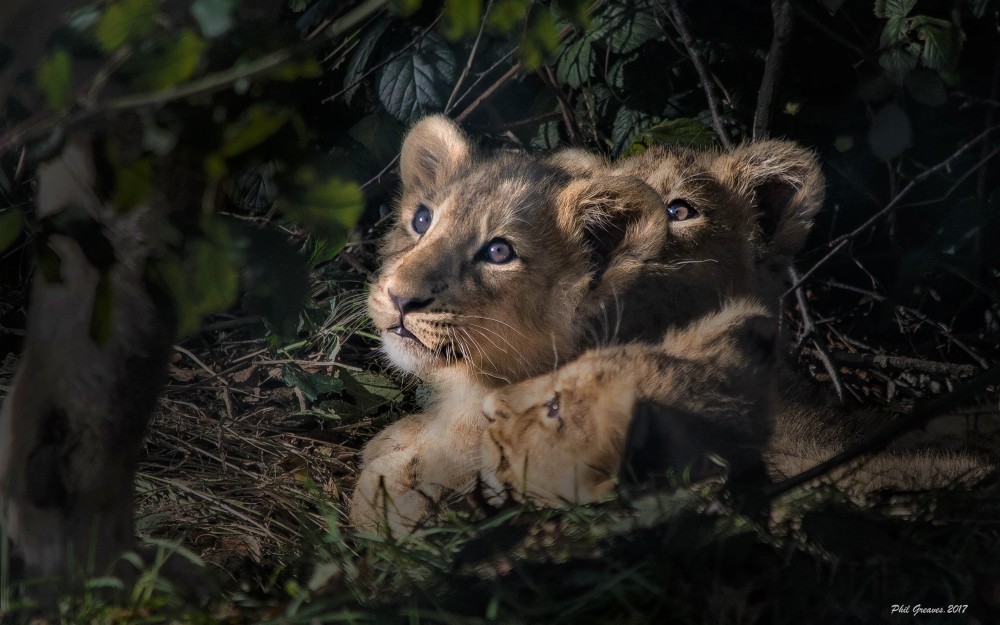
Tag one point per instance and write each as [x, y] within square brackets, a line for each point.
[494, 320]
[521, 360]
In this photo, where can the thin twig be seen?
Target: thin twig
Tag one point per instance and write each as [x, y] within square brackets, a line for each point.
[915, 313]
[468, 62]
[482, 76]
[680, 23]
[841, 242]
[781, 10]
[882, 438]
[903, 363]
[501, 82]
[200, 363]
[809, 330]
[835, 36]
[564, 108]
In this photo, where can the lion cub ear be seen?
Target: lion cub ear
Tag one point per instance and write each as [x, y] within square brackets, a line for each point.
[613, 215]
[787, 186]
[578, 163]
[433, 150]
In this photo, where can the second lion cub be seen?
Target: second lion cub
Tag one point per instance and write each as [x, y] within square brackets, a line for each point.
[702, 396]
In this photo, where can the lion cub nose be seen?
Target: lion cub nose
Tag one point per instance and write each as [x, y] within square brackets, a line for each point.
[408, 304]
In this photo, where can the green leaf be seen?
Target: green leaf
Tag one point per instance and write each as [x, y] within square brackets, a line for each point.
[895, 32]
[377, 385]
[254, 127]
[576, 60]
[942, 42]
[54, 79]
[926, 87]
[893, 8]
[297, 70]
[203, 279]
[891, 133]
[133, 183]
[627, 125]
[173, 65]
[898, 62]
[11, 225]
[380, 134]
[330, 206]
[418, 81]
[126, 21]
[461, 17]
[404, 8]
[257, 124]
[312, 385]
[214, 17]
[540, 39]
[547, 137]
[625, 27]
[506, 14]
[682, 132]
[370, 392]
[369, 38]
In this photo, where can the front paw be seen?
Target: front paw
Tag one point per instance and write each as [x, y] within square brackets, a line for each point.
[388, 495]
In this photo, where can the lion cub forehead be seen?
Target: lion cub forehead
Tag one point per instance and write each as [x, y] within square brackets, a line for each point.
[501, 190]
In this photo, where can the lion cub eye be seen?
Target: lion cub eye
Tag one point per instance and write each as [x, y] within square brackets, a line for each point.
[679, 210]
[553, 407]
[421, 219]
[498, 251]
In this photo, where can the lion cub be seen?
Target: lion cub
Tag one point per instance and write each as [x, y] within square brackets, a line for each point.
[492, 272]
[701, 397]
[499, 267]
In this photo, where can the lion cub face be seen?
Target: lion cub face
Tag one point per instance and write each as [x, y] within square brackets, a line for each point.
[488, 266]
[702, 395]
[740, 215]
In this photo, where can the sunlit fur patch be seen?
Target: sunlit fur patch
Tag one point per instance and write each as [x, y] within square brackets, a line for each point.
[716, 369]
[479, 316]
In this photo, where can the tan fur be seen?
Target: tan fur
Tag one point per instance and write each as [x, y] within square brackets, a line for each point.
[757, 205]
[599, 264]
[807, 435]
[559, 437]
[482, 325]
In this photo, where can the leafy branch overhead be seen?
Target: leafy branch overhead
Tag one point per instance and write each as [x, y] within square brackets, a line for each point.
[313, 110]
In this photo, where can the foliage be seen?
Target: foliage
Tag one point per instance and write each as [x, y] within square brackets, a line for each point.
[287, 139]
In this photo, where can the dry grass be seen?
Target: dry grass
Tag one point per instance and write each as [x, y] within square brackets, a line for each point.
[248, 467]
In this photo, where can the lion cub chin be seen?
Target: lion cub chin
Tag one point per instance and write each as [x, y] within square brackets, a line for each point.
[702, 394]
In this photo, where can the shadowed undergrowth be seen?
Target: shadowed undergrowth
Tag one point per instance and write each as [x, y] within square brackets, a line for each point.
[251, 458]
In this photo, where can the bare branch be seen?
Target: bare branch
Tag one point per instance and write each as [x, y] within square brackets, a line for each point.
[501, 82]
[680, 23]
[902, 363]
[809, 330]
[843, 240]
[781, 10]
[34, 129]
